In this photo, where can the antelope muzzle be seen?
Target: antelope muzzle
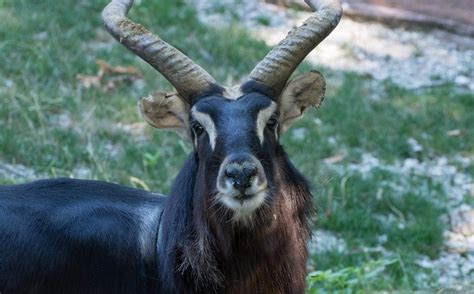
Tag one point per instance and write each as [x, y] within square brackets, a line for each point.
[242, 184]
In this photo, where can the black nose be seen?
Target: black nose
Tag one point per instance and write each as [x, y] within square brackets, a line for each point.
[241, 175]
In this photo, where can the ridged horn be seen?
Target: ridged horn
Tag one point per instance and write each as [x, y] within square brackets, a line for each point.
[278, 65]
[188, 78]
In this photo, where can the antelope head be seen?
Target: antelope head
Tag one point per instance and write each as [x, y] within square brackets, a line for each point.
[235, 130]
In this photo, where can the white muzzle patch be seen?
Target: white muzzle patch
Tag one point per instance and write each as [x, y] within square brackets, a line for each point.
[242, 205]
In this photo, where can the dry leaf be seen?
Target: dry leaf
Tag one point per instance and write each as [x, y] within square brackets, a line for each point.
[108, 69]
[335, 158]
[89, 81]
[108, 76]
[454, 133]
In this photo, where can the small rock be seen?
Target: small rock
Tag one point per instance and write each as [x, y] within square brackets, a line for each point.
[40, 36]
[299, 133]
[62, 120]
[382, 239]
[82, 172]
[16, 172]
[8, 83]
[461, 80]
[414, 145]
[323, 241]
[139, 84]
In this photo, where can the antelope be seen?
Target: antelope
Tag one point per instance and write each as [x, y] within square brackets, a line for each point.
[237, 218]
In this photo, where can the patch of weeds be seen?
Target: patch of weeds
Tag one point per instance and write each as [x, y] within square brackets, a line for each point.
[469, 199]
[384, 126]
[376, 219]
[352, 279]
[436, 78]
[263, 20]
[361, 209]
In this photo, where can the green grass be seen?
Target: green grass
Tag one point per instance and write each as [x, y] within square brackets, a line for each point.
[45, 44]
[44, 48]
[350, 279]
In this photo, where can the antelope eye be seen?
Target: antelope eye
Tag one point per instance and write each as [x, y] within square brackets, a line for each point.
[272, 124]
[198, 129]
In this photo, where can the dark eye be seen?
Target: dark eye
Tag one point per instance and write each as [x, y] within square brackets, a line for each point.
[272, 124]
[198, 129]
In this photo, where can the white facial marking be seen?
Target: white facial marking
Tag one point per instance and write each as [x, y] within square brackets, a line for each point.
[229, 196]
[208, 124]
[262, 119]
[233, 93]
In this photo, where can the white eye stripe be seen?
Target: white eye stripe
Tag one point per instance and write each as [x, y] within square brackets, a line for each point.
[262, 119]
[208, 124]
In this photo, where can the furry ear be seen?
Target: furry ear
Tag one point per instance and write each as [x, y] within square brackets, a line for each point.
[305, 90]
[166, 111]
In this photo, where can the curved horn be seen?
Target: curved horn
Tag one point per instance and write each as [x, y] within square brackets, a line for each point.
[187, 77]
[278, 65]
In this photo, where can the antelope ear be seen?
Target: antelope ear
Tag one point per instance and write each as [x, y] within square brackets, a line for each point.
[305, 90]
[166, 111]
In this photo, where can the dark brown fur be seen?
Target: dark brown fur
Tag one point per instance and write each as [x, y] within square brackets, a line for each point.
[266, 255]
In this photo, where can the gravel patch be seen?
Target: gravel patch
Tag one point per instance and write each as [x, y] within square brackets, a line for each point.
[323, 241]
[453, 269]
[408, 57]
[460, 238]
[455, 184]
[81, 172]
[249, 13]
[12, 172]
[456, 264]
[18, 173]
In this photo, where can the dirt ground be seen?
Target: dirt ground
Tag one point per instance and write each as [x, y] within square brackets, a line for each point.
[458, 10]
[452, 15]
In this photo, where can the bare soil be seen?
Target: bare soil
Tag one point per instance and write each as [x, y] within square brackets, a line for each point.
[461, 11]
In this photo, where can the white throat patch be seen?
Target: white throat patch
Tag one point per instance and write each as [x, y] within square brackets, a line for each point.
[208, 124]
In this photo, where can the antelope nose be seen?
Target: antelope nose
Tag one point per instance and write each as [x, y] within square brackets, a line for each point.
[241, 175]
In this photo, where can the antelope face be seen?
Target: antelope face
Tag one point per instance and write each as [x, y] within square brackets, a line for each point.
[236, 138]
